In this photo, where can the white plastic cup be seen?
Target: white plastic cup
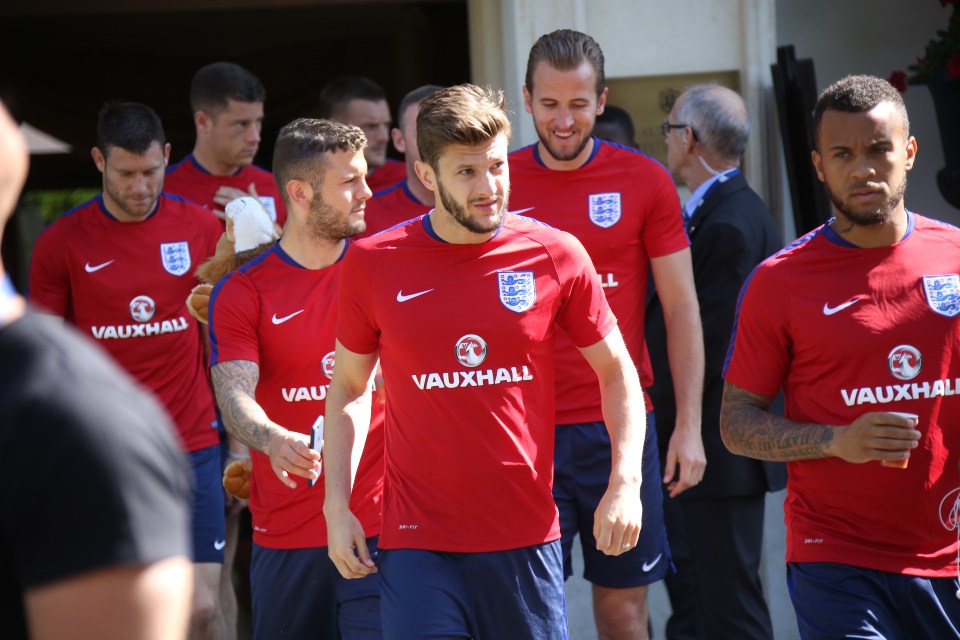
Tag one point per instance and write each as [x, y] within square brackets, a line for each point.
[900, 464]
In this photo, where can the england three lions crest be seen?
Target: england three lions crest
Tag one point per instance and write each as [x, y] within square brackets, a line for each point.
[176, 257]
[943, 293]
[518, 290]
[604, 209]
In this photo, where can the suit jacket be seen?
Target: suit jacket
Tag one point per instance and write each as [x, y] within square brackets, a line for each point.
[730, 233]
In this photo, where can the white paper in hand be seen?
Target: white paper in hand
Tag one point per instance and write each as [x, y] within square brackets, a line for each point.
[316, 442]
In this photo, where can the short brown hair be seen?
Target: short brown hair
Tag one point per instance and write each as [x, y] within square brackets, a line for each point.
[214, 85]
[414, 97]
[299, 152]
[130, 126]
[565, 50]
[464, 114]
[857, 94]
[336, 94]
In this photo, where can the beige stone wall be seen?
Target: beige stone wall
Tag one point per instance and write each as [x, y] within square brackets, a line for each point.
[643, 38]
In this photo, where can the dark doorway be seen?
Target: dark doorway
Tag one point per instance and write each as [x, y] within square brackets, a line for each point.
[62, 60]
[61, 64]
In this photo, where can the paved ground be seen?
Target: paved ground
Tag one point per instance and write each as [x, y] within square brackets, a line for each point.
[580, 614]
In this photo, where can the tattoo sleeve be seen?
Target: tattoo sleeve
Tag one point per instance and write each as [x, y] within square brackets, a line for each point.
[235, 383]
[749, 429]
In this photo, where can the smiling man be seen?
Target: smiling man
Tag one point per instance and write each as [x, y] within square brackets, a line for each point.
[623, 207]
[119, 268]
[462, 305]
[858, 323]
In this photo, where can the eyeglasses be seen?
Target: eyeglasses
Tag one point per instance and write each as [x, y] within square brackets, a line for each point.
[666, 126]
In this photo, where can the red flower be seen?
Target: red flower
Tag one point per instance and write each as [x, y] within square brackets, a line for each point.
[953, 67]
[899, 80]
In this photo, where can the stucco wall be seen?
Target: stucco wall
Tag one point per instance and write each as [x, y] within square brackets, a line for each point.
[656, 37]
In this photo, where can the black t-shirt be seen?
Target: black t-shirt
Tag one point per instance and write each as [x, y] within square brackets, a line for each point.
[91, 473]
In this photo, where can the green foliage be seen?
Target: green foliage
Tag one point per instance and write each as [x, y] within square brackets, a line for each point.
[53, 203]
[941, 58]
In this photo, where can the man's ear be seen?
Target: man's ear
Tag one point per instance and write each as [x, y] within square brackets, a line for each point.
[527, 100]
[99, 159]
[202, 121]
[817, 163]
[166, 154]
[426, 175]
[300, 192]
[911, 152]
[397, 137]
[689, 140]
[602, 101]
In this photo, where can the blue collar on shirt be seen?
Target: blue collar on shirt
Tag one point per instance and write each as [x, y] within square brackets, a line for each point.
[106, 212]
[593, 154]
[837, 239]
[193, 160]
[428, 227]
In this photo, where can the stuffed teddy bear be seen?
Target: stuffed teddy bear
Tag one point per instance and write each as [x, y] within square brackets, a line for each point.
[250, 232]
[236, 478]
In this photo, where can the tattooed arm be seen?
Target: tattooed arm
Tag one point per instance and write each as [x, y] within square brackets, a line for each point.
[749, 429]
[235, 383]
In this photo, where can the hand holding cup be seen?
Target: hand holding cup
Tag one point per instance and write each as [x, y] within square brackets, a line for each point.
[901, 464]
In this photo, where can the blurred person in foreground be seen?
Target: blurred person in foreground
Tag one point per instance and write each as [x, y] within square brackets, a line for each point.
[118, 267]
[94, 521]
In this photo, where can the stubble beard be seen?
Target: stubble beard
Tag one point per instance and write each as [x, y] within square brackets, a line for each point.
[460, 214]
[122, 202]
[326, 223]
[562, 157]
[878, 216]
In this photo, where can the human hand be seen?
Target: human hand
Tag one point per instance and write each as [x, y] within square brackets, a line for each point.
[617, 519]
[347, 546]
[290, 454]
[225, 195]
[685, 451]
[880, 435]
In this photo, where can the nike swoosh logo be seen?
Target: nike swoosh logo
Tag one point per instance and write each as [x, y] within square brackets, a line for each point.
[650, 565]
[829, 311]
[517, 213]
[277, 320]
[98, 267]
[404, 298]
[219, 544]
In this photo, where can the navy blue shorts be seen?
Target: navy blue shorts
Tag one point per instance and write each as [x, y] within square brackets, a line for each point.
[298, 593]
[209, 526]
[581, 472]
[841, 601]
[500, 595]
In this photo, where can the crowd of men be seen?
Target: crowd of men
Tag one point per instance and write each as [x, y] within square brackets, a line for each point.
[448, 368]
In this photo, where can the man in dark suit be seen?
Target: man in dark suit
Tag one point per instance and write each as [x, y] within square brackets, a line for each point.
[731, 231]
